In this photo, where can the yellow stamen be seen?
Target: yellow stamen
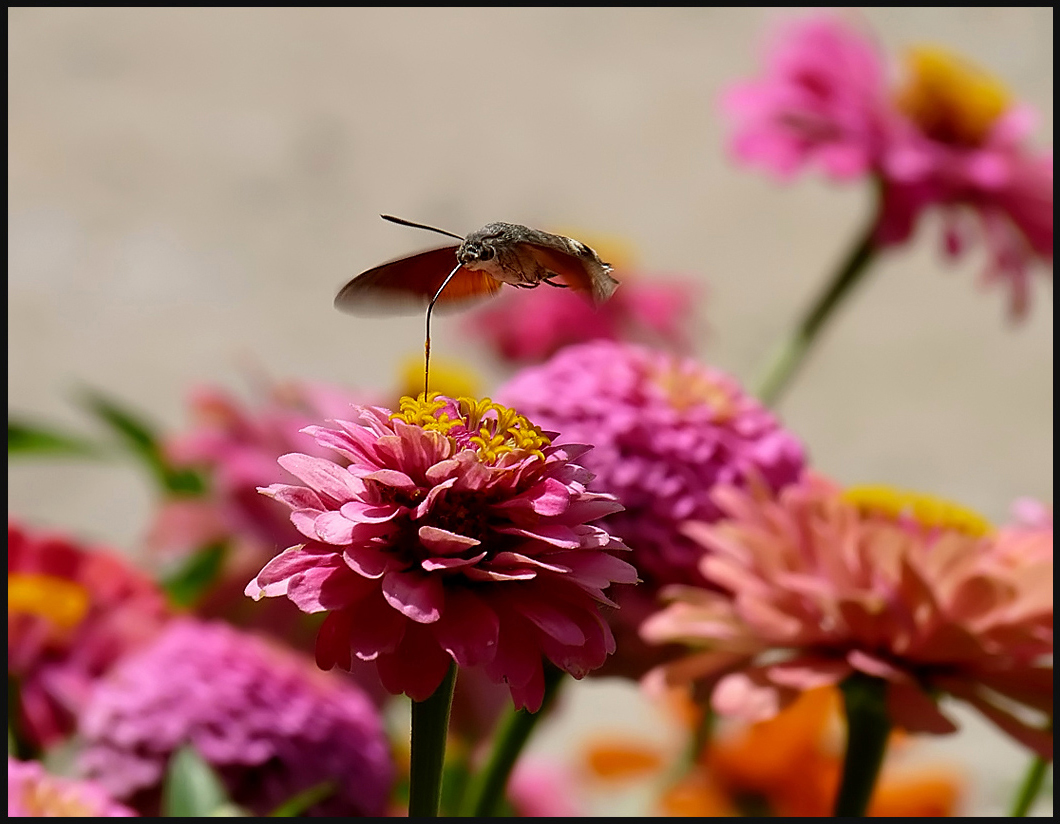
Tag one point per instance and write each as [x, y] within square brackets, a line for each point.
[61, 601]
[494, 430]
[926, 510]
[952, 100]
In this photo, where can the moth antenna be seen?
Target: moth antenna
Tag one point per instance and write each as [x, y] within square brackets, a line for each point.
[404, 222]
[427, 341]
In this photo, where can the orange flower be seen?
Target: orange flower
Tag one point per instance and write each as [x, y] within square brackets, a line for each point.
[787, 766]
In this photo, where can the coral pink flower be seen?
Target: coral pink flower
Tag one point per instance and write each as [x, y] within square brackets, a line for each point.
[532, 326]
[820, 584]
[33, 793]
[72, 612]
[665, 431]
[948, 137]
[458, 532]
[267, 720]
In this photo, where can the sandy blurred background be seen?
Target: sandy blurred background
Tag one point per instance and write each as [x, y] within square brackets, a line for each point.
[188, 188]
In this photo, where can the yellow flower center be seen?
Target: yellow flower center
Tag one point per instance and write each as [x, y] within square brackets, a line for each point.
[926, 510]
[950, 99]
[490, 429]
[60, 601]
[685, 389]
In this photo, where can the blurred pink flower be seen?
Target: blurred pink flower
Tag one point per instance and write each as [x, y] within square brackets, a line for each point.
[532, 326]
[665, 431]
[823, 99]
[541, 790]
[1032, 514]
[72, 612]
[949, 137]
[238, 445]
[457, 533]
[33, 793]
[819, 584]
[269, 722]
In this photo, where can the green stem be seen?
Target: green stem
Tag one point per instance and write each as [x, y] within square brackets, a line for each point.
[790, 355]
[486, 790]
[430, 727]
[1030, 788]
[18, 743]
[868, 728]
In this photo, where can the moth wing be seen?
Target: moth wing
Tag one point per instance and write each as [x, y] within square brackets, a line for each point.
[406, 285]
[580, 268]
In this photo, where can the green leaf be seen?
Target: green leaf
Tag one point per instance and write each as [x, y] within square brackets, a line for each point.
[192, 579]
[140, 437]
[192, 789]
[26, 439]
[300, 802]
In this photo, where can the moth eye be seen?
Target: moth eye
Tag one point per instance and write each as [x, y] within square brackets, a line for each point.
[487, 253]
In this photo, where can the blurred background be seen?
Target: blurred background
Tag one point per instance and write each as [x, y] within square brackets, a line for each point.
[189, 187]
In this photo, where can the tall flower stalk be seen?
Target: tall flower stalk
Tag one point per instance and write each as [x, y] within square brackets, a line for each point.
[430, 726]
[868, 728]
[792, 352]
[487, 789]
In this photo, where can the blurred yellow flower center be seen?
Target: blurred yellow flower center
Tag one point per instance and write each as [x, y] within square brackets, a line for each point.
[685, 390]
[452, 379]
[950, 99]
[489, 428]
[931, 512]
[44, 801]
[60, 601]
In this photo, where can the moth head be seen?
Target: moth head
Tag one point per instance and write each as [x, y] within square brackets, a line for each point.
[481, 246]
[476, 251]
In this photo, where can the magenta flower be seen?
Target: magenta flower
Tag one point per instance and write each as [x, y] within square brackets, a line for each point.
[458, 532]
[666, 430]
[72, 612]
[33, 793]
[265, 719]
[532, 326]
[823, 99]
[819, 584]
[949, 137]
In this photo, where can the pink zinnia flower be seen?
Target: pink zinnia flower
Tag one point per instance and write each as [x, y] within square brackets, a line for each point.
[665, 430]
[822, 99]
[532, 326]
[267, 720]
[819, 584]
[33, 793]
[72, 612]
[458, 532]
[949, 136]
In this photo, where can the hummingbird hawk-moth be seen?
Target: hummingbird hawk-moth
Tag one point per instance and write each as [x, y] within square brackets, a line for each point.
[477, 267]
